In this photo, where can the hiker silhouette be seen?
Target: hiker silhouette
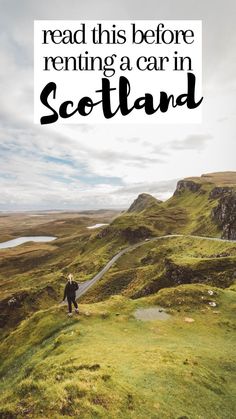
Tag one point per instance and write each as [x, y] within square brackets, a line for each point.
[70, 293]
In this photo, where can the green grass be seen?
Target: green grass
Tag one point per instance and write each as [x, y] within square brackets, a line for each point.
[35, 274]
[105, 363]
[198, 209]
[185, 213]
[145, 270]
[39, 268]
[108, 364]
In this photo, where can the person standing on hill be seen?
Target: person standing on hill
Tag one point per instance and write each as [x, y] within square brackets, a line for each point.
[70, 293]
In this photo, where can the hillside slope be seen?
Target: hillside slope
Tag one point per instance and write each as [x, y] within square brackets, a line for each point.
[34, 275]
[203, 206]
[166, 263]
[106, 363]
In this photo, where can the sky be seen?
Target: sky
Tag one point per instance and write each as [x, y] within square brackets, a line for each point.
[107, 166]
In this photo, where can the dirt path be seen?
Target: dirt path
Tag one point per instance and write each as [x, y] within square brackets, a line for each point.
[84, 287]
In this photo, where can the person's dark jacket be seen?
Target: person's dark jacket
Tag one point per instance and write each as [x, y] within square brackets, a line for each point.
[70, 289]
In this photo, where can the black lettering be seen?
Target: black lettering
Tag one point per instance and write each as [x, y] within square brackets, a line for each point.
[48, 89]
[189, 97]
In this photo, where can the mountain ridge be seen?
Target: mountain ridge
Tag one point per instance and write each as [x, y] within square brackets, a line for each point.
[200, 205]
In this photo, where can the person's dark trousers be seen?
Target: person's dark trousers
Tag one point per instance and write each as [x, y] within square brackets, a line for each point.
[70, 301]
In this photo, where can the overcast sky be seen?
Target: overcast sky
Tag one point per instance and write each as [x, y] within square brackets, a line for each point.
[73, 166]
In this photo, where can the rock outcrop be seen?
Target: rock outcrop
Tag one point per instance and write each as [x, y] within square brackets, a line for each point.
[131, 234]
[224, 214]
[217, 272]
[219, 192]
[185, 184]
[143, 201]
[16, 307]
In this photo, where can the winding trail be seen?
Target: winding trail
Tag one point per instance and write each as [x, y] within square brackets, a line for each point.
[85, 286]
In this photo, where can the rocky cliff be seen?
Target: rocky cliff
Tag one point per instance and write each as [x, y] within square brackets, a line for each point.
[224, 214]
[186, 184]
[220, 192]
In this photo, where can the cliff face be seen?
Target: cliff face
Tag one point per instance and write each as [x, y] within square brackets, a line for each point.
[224, 214]
[219, 192]
[185, 184]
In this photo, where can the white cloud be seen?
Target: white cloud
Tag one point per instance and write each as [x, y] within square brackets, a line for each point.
[84, 166]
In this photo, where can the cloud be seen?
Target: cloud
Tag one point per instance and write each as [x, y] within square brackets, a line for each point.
[108, 165]
[161, 190]
[191, 142]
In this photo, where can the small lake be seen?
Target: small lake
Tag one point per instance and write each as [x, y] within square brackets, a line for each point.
[96, 226]
[152, 313]
[22, 240]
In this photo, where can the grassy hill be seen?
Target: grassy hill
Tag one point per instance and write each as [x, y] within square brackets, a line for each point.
[166, 263]
[35, 273]
[106, 363]
[191, 210]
